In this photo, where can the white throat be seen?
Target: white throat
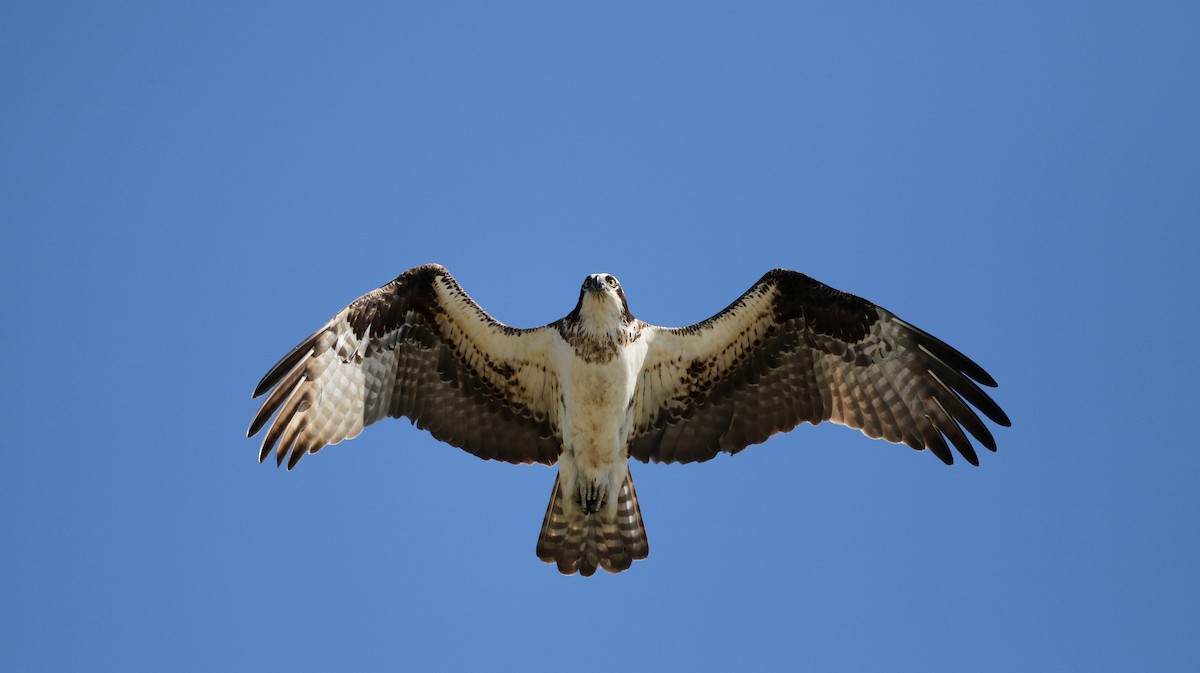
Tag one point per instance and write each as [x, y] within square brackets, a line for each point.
[602, 314]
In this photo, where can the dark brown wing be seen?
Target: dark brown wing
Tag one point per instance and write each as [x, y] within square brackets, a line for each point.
[791, 350]
[417, 347]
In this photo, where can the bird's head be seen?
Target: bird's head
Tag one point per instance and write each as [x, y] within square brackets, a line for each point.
[602, 302]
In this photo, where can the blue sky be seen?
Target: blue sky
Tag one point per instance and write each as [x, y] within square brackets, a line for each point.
[186, 192]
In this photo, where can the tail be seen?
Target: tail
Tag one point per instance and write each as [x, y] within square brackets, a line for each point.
[580, 542]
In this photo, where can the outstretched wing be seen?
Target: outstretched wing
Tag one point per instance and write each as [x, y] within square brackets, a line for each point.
[417, 347]
[790, 350]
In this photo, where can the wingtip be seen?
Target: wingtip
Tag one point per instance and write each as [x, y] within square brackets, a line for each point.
[297, 454]
[261, 388]
[257, 424]
[984, 378]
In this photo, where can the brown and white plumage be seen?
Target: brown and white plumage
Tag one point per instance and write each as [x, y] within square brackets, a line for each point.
[792, 350]
[599, 386]
[418, 347]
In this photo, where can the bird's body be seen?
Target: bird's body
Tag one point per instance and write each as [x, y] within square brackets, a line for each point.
[599, 386]
[598, 383]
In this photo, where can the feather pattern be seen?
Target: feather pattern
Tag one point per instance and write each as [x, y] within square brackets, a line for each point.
[579, 542]
[793, 350]
[420, 348]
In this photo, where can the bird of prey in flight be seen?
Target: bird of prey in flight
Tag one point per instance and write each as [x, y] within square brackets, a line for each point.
[598, 387]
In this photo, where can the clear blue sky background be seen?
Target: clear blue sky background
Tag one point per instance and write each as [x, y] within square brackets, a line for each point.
[186, 192]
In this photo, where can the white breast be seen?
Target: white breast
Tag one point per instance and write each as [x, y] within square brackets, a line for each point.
[594, 410]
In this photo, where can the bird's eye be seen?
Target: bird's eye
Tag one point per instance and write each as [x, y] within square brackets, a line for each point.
[612, 282]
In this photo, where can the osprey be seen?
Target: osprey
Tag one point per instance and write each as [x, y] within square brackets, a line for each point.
[599, 386]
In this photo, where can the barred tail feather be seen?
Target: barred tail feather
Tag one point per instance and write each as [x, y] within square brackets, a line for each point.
[580, 542]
